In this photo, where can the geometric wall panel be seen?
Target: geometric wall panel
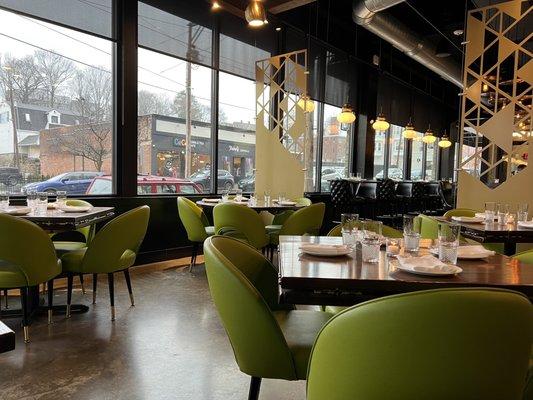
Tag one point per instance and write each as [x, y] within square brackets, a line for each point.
[497, 102]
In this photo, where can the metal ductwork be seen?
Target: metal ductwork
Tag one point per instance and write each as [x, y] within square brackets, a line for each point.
[367, 13]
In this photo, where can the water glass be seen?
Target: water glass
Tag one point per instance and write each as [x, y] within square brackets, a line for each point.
[253, 200]
[31, 199]
[521, 215]
[281, 197]
[393, 246]
[372, 240]
[490, 211]
[238, 194]
[448, 242]
[4, 202]
[503, 212]
[267, 198]
[61, 198]
[42, 203]
[349, 224]
[411, 238]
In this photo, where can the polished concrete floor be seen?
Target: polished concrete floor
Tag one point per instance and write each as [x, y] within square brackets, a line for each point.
[171, 345]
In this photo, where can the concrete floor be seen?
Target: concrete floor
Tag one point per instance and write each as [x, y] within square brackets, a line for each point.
[171, 345]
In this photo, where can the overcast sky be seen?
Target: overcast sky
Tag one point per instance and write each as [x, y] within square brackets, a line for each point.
[21, 35]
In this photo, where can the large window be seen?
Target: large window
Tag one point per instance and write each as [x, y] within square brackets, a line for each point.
[396, 153]
[432, 151]
[335, 147]
[380, 144]
[236, 133]
[56, 98]
[417, 157]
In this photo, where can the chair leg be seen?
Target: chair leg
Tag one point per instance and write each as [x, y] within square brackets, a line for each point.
[193, 256]
[111, 283]
[5, 299]
[255, 386]
[128, 283]
[50, 293]
[25, 322]
[81, 283]
[70, 281]
[95, 282]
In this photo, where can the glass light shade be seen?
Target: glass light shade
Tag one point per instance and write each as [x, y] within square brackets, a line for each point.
[306, 104]
[445, 142]
[409, 131]
[255, 13]
[381, 124]
[429, 137]
[346, 115]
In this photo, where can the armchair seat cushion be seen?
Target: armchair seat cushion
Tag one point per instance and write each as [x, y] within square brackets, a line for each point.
[273, 228]
[72, 261]
[63, 247]
[300, 328]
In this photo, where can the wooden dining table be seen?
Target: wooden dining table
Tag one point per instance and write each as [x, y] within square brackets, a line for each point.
[347, 280]
[508, 234]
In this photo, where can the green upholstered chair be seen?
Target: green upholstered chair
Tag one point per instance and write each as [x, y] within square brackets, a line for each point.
[27, 259]
[268, 340]
[526, 257]
[305, 221]
[386, 231]
[196, 225]
[427, 227]
[113, 249]
[279, 219]
[241, 222]
[459, 344]
[86, 233]
[460, 212]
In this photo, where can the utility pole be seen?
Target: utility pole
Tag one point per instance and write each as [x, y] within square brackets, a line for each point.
[10, 99]
[188, 106]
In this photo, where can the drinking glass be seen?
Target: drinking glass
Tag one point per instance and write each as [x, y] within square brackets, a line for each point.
[267, 198]
[42, 203]
[61, 198]
[4, 202]
[521, 215]
[238, 194]
[393, 246]
[358, 176]
[281, 197]
[503, 212]
[349, 229]
[225, 196]
[253, 199]
[448, 242]
[371, 241]
[31, 199]
[490, 211]
[411, 238]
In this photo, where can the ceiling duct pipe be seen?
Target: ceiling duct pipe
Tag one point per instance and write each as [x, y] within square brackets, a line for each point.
[367, 13]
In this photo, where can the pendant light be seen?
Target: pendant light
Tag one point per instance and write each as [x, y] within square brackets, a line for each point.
[380, 124]
[306, 104]
[255, 14]
[409, 131]
[444, 142]
[429, 137]
[347, 115]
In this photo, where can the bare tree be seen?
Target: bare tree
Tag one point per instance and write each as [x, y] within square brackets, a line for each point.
[153, 103]
[27, 80]
[92, 93]
[56, 71]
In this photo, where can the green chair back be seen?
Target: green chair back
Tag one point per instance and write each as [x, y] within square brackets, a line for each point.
[193, 219]
[307, 220]
[460, 212]
[525, 257]
[280, 218]
[459, 344]
[303, 201]
[387, 231]
[243, 285]
[241, 221]
[120, 237]
[27, 246]
[427, 227]
[86, 231]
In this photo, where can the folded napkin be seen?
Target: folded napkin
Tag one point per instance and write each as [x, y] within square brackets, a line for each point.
[482, 215]
[526, 224]
[473, 250]
[17, 210]
[287, 203]
[208, 200]
[426, 263]
[324, 248]
[468, 219]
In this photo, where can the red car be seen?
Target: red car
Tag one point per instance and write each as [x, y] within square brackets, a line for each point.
[147, 184]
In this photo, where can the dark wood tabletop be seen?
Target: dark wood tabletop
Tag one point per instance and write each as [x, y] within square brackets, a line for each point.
[56, 220]
[345, 280]
[258, 206]
[508, 234]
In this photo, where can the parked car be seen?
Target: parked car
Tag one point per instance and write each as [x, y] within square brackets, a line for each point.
[70, 182]
[203, 179]
[147, 184]
[329, 174]
[394, 173]
[10, 176]
[247, 184]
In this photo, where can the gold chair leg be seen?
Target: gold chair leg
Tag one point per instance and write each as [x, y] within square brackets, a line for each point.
[26, 335]
[50, 316]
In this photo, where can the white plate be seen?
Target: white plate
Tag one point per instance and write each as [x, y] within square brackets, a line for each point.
[482, 215]
[18, 211]
[211, 200]
[287, 203]
[470, 220]
[75, 209]
[525, 224]
[464, 256]
[455, 270]
[319, 253]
